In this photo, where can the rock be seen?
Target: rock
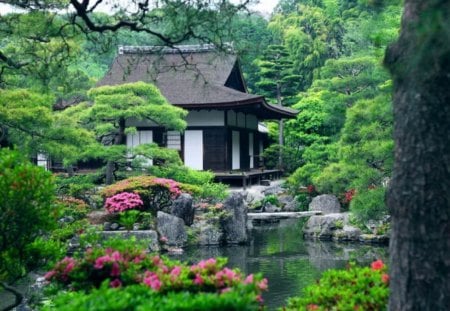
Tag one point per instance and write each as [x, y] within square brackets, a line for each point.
[275, 189]
[115, 226]
[171, 227]
[285, 199]
[107, 226]
[291, 206]
[252, 196]
[208, 232]
[136, 226]
[270, 208]
[265, 182]
[323, 227]
[100, 217]
[326, 203]
[348, 233]
[149, 235]
[375, 239]
[182, 208]
[235, 226]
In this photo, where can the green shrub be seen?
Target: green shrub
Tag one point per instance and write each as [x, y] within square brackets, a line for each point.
[213, 192]
[26, 209]
[369, 204]
[272, 199]
[76, 186]
[129, 218]
[124, 265]
[357, 288]
[182, 174]
[139, 297]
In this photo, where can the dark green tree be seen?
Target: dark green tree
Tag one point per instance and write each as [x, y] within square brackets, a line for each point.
[278, 83]
[110, 109]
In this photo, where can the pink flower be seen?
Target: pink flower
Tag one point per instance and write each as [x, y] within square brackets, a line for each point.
[116, 256]
[225, 290]
[312, 307]
[163, 239]
[263, 285]
[249, 279]
[175, 271]
[152, 280]
[377, 265]
[259, 299]
[100, 261]
[123, 201]
[49, 275]
[198, 280]
[115, 270]
[115, 283]
[69, 267]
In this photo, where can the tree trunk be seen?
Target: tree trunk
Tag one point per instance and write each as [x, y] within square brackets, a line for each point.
[119, 139]
[280, 130]
[419, 194]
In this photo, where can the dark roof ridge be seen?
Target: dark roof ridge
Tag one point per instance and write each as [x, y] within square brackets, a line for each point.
[176, 49]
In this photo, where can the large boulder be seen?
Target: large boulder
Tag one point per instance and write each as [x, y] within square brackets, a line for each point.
[208, 232]
[182, 208]
[172, 228]
[235, 225]
[323, 227]
[326, 203]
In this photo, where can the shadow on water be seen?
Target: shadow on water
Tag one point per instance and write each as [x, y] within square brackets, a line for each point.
[290, 263]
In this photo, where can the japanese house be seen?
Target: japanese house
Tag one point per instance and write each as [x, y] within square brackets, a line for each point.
[224, 130]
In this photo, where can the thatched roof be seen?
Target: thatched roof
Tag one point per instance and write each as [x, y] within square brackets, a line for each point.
[192, 77]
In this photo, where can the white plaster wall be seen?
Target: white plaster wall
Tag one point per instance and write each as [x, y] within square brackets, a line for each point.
[236, 151]
[250, 150]
[240, 119]
[193, 149]
[206, 118]
[139, 138]
[42, 161]
[231, 118]
[251, 122]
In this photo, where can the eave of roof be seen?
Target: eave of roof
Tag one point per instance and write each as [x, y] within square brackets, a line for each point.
[198, 84]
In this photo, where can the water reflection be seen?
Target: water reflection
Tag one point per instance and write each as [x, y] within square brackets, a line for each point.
[279, 252]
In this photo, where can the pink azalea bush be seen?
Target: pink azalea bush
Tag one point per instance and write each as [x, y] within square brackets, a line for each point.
[122, 202]
[131, 267]
[156, 193]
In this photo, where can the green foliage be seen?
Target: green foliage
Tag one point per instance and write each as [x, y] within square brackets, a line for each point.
[182, 174]
[139, 297]
[129, 218]
[369, 204]
[76, 186]
[356, 288]
[271, 199]
[291, 157]
[26, 210]
[213, 192]
[34, 128]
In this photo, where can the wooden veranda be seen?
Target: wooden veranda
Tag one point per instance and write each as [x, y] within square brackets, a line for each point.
[246, 178]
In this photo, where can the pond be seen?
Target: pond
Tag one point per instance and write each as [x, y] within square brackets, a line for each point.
[290, 263]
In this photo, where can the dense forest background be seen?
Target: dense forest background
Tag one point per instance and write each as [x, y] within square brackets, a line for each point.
[323, 56]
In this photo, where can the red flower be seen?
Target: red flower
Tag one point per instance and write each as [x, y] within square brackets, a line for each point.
[377, 265]
[385, 278]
